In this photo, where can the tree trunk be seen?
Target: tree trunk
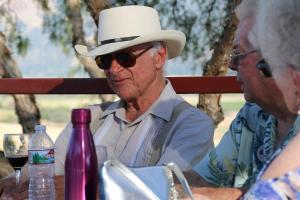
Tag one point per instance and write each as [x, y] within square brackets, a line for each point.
[218, 65]
[95, 6]
[74, 14]
[25, 106]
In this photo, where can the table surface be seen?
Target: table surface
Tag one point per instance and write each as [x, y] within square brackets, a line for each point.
[59, 187]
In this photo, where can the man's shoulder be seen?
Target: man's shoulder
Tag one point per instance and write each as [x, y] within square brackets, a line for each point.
[192, 112]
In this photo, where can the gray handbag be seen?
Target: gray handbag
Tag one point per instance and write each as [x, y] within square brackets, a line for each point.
[155, 182]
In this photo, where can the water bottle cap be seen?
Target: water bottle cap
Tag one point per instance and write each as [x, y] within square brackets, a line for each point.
[81, 115]
[39, 127]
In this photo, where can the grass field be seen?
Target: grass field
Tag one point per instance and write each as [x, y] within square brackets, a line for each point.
[55, 111]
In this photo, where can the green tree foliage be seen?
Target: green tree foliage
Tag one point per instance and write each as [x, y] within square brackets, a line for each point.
[11, 27]
[202, 21]
[57, 24]
[12, 42]
[62, 21]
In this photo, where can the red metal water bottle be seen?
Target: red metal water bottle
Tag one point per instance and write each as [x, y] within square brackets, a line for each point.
[81, 176]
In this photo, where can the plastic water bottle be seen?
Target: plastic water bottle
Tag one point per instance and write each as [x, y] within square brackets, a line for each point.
[81, 176]
[41, 165]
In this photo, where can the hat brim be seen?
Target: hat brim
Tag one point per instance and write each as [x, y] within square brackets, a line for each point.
[174, 40]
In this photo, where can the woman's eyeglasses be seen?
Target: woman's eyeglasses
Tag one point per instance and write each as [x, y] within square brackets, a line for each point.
[264, 67]
[236, 57]
[124, 58]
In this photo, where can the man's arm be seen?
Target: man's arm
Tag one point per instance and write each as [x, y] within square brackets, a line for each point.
[8, 183]
[217, 193]
[201, 189]
[192, 137]
[11, 191]
[195, 180]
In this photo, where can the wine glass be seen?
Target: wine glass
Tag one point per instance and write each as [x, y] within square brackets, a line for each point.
[15, 148]
[101, 152]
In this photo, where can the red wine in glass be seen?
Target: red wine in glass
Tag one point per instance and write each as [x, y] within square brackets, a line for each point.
[17, 162]
[15, 148]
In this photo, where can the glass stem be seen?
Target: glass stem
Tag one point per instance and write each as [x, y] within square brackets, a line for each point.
[18, 172]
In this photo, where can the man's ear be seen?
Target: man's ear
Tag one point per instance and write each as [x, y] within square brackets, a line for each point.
[161, 57]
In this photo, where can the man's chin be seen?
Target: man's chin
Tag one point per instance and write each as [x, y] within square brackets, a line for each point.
[125, 96]
[248, 98]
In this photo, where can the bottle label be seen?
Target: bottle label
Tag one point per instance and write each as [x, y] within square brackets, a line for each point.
[41, 156]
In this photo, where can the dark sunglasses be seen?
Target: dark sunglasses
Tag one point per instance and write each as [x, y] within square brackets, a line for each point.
[264, 67]
[124, 58]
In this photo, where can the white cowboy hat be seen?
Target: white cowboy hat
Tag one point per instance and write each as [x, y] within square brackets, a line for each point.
[127, 26]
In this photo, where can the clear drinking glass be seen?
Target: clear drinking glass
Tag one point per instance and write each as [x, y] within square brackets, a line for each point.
[101, 152]
[15, 148]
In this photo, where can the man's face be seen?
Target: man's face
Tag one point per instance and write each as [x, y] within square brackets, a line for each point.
[253, 84]
[132, 82]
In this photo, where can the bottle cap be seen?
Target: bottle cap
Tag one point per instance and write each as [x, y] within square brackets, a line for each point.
[81, 115]
[39, 128]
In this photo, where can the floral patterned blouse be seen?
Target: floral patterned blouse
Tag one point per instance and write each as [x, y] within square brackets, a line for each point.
[284, 187]
[281, 188]
[243, 150]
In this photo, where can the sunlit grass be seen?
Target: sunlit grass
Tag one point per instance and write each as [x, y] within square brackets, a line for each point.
[56, 110]
[232, 106]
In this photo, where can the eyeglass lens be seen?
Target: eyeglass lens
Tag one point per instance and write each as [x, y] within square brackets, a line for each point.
[237, 57]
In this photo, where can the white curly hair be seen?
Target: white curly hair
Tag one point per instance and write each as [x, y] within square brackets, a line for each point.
[247, 8]
[276, 33]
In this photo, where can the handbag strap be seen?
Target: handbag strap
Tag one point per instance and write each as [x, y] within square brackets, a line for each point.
[175, 169]
[133, 178]
[165, 135]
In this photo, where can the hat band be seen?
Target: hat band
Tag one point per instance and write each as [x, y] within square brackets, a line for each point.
[117, 40]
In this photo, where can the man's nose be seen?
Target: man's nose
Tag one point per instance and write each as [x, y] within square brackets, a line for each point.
[115, 66]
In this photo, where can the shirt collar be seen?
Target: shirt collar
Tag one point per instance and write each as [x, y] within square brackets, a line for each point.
[112, 108]
[162, 107]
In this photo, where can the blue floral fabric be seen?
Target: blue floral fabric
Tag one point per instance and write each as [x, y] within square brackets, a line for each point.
[284, 187]
[243, 150]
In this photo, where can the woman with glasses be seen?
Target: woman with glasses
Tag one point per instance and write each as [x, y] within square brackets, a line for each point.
[277, 36]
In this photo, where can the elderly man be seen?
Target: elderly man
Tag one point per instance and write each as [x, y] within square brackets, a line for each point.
[150, 124]
[256, 132]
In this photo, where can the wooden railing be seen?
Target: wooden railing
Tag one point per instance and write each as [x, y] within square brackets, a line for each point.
[182, 85]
